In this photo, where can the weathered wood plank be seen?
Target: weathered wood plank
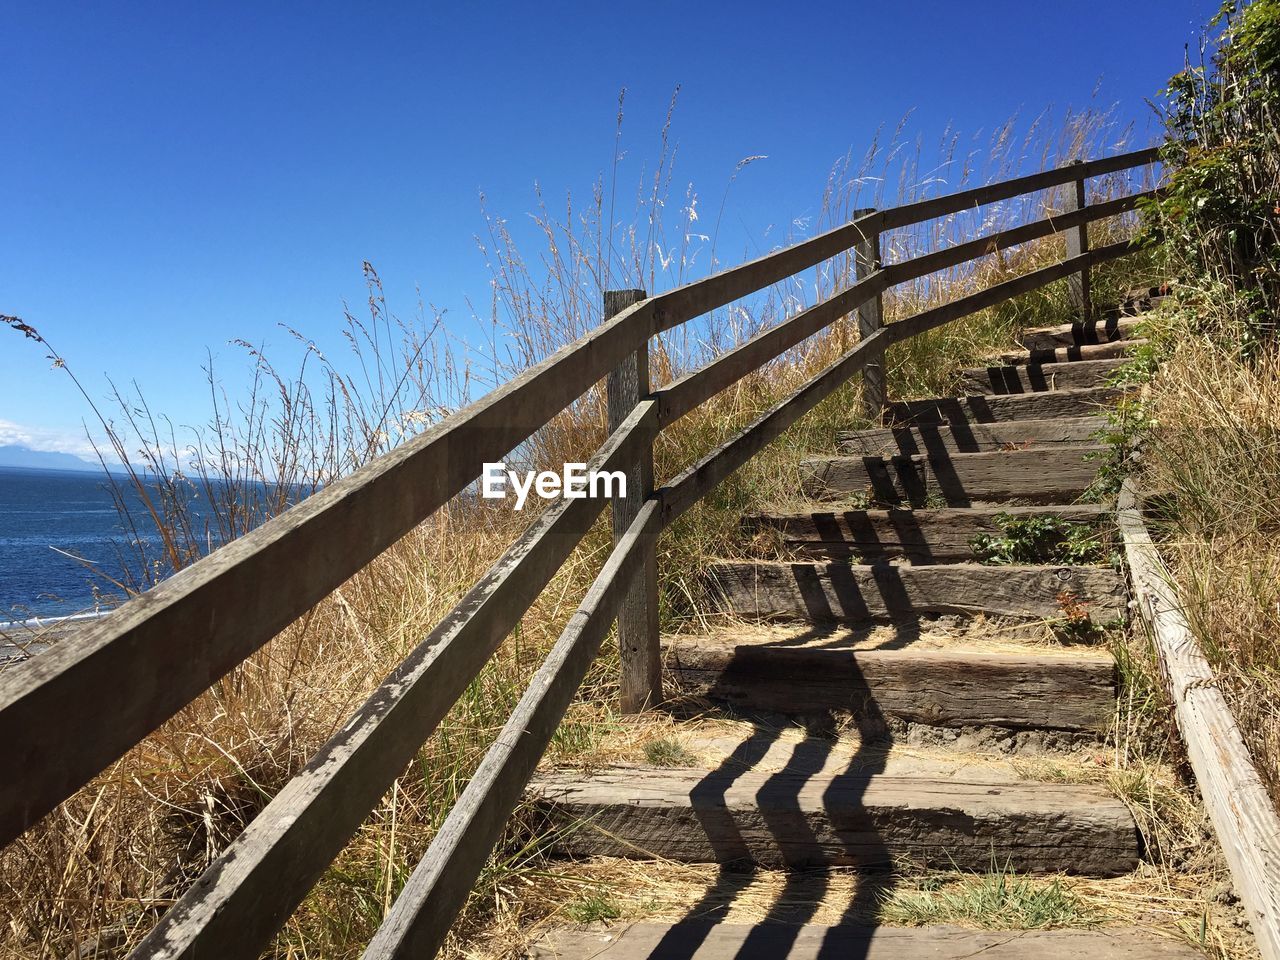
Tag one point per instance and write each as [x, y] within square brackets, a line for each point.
[968, 437]
[797, 819]
[249, 891]
[1033, 377]
[827, 592]
[1049, 475]
[1090, 401]
[1079, 287]
[870, 320]
[703, 939]
[922, 536]
[1244, 819]
[169, 645]
[1079, 334]
[949, 687]
[438, 887]
[640, 674]
[1088, 351]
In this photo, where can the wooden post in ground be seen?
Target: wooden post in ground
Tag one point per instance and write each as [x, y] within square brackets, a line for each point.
[1078, 243]
[628, 384]
[870, 318]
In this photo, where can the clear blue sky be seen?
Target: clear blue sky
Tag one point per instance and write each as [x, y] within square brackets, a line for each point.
[176, 175]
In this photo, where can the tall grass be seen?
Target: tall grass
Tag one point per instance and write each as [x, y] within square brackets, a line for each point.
[1212, 455]
[99, 870]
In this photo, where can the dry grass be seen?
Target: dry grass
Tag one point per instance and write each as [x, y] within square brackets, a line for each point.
[99, 871]
[1213, 448]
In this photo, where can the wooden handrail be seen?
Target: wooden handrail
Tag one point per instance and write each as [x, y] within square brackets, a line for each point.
[169, 645]
[911, 213]
[241, 901]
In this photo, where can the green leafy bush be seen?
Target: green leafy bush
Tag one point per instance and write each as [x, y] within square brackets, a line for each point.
[1219, 218]
[1039, 539]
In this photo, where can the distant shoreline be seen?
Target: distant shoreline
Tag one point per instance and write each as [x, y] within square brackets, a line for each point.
[44, 623]
[89, 470]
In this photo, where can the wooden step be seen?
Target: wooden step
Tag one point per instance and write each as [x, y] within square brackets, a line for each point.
[1088, 351]
[701, 939]
[1057, 689]
[1078, 334]
[1056, 474]
[1086, 402]
[827, 592]
[922, 536]
[1033, 377]
[807, 817]
[968, 437]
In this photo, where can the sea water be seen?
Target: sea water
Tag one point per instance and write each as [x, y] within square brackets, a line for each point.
[62, 543]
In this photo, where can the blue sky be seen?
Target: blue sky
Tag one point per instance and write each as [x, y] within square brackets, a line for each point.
[179, 175]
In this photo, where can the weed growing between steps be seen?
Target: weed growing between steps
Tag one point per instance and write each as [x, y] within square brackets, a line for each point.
[1000, 900]
[1042, 539]
[99, 871]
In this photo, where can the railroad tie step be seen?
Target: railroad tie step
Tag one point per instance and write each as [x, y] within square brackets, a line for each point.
[852, 593]
[1053, 474]
[1079, 334]
[968, 437]
[806, 816]
[1059, 689]
[699, 939]
[1037, 377]
[1087, 351]
[1083, 402]
[921, 536]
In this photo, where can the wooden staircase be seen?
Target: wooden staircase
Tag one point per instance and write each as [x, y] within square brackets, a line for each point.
[844, 637]
[881, 623]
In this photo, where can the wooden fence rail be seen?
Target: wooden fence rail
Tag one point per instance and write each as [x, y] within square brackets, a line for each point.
[132, 671]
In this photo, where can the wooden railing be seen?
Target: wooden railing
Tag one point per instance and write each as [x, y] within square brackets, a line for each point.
[70, 712]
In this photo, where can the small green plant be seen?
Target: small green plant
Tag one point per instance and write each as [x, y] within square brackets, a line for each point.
[592, 908]
[1039, 539]
[665, 752]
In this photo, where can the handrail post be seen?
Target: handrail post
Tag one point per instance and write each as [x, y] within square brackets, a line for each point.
[638, 644]
[1077, 243]
[870, 319]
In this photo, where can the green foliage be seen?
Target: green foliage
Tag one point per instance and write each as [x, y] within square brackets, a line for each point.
[1039, 539]
[1219, 218]
[592, 908]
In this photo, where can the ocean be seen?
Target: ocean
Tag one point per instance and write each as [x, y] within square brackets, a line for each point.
[44, 516]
